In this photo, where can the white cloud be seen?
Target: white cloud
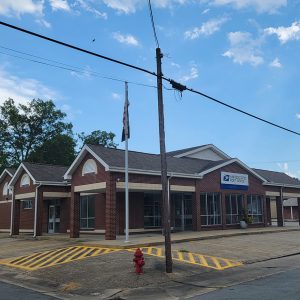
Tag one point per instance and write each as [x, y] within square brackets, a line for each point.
[116, 96]
[205, 11]
[130, 6]
[126, 39]
[193, 74]
[175, 65]
[43, 23]
[298, 116]
[71, 113]
[20, 7]
[275, 63]
[207, 28]
[84, 74]
[244, 49]
[23, 89]
[87, 7]
[60, 5]
[285, 168]
[261, 6]
[285, 34]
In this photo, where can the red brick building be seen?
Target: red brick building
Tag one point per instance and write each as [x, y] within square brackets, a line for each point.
[207, 190]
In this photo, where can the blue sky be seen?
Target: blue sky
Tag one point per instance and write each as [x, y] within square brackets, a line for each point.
[244, 52]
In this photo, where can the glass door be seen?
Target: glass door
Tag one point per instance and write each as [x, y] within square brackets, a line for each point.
[54, 219]
[183, 211]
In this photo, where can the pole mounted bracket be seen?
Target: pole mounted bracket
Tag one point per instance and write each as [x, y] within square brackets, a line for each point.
[177, 86]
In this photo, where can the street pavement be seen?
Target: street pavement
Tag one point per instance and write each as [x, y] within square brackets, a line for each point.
[284, 285]
[112, 274]
[12, 292]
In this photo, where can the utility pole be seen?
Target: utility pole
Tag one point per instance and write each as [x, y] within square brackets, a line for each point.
[164, 179]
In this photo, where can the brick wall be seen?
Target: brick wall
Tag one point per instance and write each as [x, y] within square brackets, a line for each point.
[5, 204]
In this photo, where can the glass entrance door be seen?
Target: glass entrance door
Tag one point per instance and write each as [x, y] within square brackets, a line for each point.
[54, 219]
[183, 211]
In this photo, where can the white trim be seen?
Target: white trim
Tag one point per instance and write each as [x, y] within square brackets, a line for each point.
[155, 173]
[201, 148]
[56, 195]
[25, 196]
[89, 167]
[35, 210]
[90, 187]
[272, 194]
[18, 173]
[5, 230]
[5, 201]
[231, 161]
[154, 187]
[5, 171]
[182, 188]
[79, 158]
[282, 185]
[25, 180]
[53, 183]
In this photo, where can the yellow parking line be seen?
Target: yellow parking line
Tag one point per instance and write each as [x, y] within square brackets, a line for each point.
[216, 262]
[191, 257]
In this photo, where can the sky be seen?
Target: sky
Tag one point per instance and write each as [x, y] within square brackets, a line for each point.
[242, 52]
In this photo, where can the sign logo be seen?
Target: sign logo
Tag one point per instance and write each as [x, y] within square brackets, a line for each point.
[234, 181]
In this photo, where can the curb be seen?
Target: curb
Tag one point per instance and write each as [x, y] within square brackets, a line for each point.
[211, 237]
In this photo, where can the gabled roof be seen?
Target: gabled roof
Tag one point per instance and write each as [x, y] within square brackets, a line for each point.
[7, 171]
[41, 173]
[277, 178]
[189, 151]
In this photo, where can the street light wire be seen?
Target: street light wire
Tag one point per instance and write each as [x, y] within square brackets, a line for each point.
[174, 84]
[152, 23]
[69, 67]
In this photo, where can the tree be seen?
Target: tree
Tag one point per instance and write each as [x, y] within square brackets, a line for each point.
[27, 128]
[60, 150]
[99, 137]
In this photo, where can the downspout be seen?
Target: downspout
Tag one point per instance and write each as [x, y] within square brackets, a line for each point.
[35, 210]
[169, 193]
[12, 210]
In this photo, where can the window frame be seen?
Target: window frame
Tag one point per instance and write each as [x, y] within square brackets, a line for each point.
[89, 167]
[216, 200]
[239, 214]
[155, 206]
[27, 204]
[88, 218]
[23, 178]
[257, 215]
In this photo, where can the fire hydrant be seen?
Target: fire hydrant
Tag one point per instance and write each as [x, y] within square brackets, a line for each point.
[139, 261]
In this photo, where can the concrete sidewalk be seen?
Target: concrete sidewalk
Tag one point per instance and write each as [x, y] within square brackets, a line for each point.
[153, 239]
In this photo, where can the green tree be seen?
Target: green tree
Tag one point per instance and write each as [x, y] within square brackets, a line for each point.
[26, 128]
[60, 150]
[99, 137]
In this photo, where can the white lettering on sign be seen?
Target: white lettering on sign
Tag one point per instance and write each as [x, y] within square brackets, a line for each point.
[234, 178]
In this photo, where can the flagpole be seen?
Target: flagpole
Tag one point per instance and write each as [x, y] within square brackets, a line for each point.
[126, 168]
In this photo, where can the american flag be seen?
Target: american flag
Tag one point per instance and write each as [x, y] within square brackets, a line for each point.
[126, 131]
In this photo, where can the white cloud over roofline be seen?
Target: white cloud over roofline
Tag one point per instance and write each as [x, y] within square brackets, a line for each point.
[285, 34]
[20, 7]
[127, 39]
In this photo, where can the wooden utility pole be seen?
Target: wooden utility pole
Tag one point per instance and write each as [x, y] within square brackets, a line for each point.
[164, 179]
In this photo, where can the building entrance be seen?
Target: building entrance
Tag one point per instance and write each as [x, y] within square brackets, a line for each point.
[182, 203]
[54, 219]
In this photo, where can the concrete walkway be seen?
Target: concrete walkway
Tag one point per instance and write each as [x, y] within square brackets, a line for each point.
[152, 239]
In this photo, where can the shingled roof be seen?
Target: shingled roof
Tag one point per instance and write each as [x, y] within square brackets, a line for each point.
[45, 172]
[277, 177]
[181, 151]
[115, 158]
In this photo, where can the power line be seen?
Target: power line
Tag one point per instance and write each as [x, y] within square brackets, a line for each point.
[76, 48]
[152, 23]
[174, 84]
[69, 67]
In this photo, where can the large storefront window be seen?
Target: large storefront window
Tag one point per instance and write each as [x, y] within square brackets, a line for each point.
[87, 212]
[210, 207]
[234, 208]
[254, 204]
[152, 210]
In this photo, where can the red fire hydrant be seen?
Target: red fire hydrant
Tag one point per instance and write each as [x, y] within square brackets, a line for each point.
[139, 261]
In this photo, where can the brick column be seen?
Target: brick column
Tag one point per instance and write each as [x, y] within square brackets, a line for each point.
[197, 208]
[16, 205]
[110, 208]
[299, 210]
[39, 214]
[74, 214]
[279, 204]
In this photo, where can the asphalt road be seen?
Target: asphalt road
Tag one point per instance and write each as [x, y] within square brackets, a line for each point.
[13, 292]
[284, 285]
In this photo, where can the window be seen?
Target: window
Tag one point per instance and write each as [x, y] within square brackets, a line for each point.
[152, 210]
[6, 190]
[210, 208]
[87, 212]
[254, 204]
[89, 166]
[25, 180]
[234, 208]
[27, 204]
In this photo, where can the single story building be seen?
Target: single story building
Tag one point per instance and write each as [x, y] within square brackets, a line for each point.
[207, 190]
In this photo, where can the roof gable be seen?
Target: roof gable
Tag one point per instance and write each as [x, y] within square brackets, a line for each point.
[7, 171]
[207, 152]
